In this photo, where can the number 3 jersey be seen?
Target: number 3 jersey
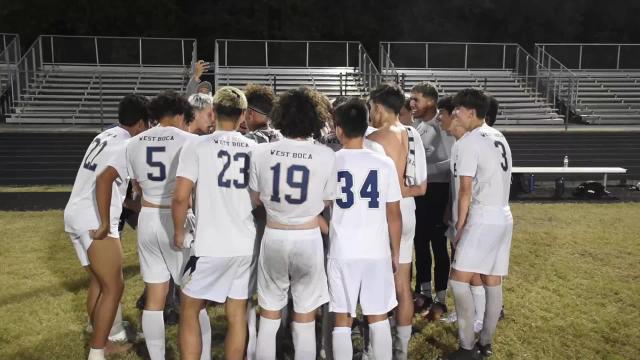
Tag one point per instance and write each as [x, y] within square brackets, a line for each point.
[152, 160]
[81, 212]
[218, 165]
[367, 181]
[294, 178]
[484, 154]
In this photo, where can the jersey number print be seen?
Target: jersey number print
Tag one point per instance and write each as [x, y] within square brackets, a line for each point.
[302, 184]
[368, 190]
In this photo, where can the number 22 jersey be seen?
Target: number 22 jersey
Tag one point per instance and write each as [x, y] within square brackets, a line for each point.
[81, 212]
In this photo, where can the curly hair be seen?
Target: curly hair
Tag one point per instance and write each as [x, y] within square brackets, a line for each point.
[260, 97]
[170, 103]
[300, 113]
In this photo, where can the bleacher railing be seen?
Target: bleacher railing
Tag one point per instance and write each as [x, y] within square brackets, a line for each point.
[105, 54]
[388, 68]
[567, 81]
[368, 71]
[543, 85]
[9, 57]
[231, 54]
[594, 56]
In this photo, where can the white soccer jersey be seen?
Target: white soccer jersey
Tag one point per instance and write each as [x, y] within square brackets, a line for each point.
[367, 181]
[484, 154]
[294, 178]
[152, 160]
[81, 213]
[219, 165]
[455, 181]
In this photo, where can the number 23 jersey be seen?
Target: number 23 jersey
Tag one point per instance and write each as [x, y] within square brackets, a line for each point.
[485, 155]
[294, 178]
[218, 165]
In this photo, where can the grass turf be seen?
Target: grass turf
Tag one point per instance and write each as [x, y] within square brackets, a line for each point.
[36, 188]
[573, 291]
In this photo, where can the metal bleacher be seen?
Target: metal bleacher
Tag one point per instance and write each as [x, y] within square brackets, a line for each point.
[332, 67]
[9, 56]
[506, 71]
[54, 85]
[603, 78]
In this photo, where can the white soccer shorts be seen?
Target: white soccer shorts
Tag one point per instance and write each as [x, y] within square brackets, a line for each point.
[485, 242]
[159, 259]
[217, 278]
[369, 280]
[82, 241]
[408, 231]
[292, 259]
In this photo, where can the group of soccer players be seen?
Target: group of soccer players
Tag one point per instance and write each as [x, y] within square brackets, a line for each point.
[312, 206]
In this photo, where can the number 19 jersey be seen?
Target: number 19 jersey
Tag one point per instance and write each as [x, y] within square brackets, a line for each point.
[294, 178]
[367, 181]
[81, 212]
[218, 165]
[484, 154]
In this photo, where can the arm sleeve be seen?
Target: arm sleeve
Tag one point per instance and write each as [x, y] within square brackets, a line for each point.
[467, 162]
[394, 193]
[192, 87]
[421, 159]
[188, 162]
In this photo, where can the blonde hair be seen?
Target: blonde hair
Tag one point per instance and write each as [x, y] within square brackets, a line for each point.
[200, 101]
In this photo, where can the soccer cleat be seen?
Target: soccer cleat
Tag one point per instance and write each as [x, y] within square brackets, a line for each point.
[464, 354]
[501, 313]
[485, 350]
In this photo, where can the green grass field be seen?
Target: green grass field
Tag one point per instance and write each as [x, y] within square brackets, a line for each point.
[573, 291]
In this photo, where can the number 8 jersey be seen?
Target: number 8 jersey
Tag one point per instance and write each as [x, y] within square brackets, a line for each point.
[294, 178]
[484, 154]
[218, 165]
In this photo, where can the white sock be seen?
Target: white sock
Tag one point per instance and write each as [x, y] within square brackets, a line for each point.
[492, 313]
[153, 330]
[479, 301]
[266, 343]
[96, 354]
[118, 332]
[381, 343]
[304, 340]
[252, 334]
[403, 335]
[441, 296]
[342, 346]
[425, 288]
[205, 331]
[465, 312]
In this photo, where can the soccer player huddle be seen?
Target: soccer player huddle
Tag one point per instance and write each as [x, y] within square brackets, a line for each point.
[312, 209]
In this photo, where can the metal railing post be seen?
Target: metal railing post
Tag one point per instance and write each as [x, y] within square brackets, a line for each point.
[466, 53]
[53, 59]
[140, 50]
[580, 59]
[182, 46]
[618, 59]
[307, 57]
[225, 53]
[518, 59]
[40, 50]
[266, 54]
[504, 56]
[348, 53]
[95, 45]
[101, 103]
[426, 55]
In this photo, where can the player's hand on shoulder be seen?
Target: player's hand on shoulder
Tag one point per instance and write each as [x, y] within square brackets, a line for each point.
[100, 233]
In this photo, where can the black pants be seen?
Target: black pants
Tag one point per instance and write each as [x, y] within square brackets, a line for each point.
[430, 232]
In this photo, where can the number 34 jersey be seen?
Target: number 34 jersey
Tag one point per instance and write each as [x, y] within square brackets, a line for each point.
[484, 154]
[218, 165]
[367, 181]
[81, 212]
[294, 178]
